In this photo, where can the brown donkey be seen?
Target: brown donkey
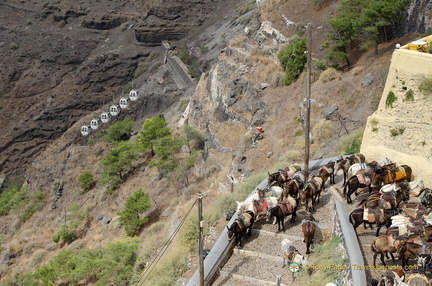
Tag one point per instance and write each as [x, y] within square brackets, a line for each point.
[387, 244]
[308, 228]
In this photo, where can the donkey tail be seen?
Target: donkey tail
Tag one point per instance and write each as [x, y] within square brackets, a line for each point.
[360, 203]
[345, 188]
[351, 220]
[373, 247]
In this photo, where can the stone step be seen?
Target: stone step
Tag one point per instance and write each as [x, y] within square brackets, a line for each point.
[248, 279]
[258, 255]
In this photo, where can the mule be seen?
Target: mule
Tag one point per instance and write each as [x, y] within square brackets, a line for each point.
[258, 207]
[242, 225]
[273, 191]
[356, 158]
[308, 229]
[357, 168]
[282, 210]
[291, 254]
[389, 197]
[396, 174]
[391, 278]
[386, 244]
[283, 175]
[414, 249]
[276, 178]
[379, 217]
[342, 164]
[294, 186]
[327, 171]
[312, 191]
[369, 179]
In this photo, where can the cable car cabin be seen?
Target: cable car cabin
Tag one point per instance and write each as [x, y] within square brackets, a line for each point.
[114, 110]
[133, 95]
[123, 103]
[104, 117]
[94, 124]
[85, 130]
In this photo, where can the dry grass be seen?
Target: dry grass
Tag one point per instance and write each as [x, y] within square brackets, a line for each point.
[357, 70]
[37, 257]
[268, 11]
[155, 237]
[323, 131]
[329, 75]
[237, 42]
[294, 155]
[31, 247]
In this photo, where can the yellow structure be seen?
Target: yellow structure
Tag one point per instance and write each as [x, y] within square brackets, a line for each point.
[401, 128]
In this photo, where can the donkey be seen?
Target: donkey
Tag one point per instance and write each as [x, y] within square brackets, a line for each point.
[387, 244]
[308, 229]
[287, 207]
[293, 256]
[242, 225]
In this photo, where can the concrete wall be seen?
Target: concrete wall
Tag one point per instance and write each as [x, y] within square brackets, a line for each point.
[414, 146]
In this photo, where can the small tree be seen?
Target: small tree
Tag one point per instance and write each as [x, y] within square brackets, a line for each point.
[120, 131]
[118, 160]
[293, 59]
[166, 150]
[183, 169]
[86, 181]
[135, 205]
[194, 138]
[67, 232]
[152, 130]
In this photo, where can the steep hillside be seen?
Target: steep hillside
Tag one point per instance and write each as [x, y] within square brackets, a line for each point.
[240, 91]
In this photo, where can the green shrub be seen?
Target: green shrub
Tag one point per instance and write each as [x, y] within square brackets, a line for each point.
[293, 59]
[135, 205]
[35, 203]
[105, 33]
[120, 131]
[409, 96]
[397, 131]
[425, 86]
[67, 232]
[111, 264]
[374, 123]
[86, 181]
[10, 199]
[246, 8]
[391, 98]
[351, 143]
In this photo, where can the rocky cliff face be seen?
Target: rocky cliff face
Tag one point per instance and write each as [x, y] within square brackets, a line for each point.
[63, 60]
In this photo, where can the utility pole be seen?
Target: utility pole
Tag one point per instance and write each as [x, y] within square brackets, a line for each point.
[200, 239]
[307, 100]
